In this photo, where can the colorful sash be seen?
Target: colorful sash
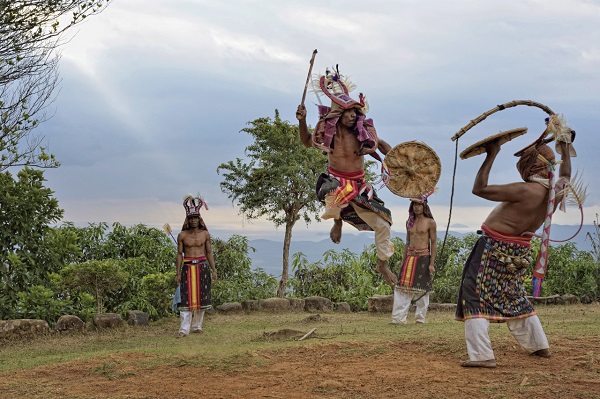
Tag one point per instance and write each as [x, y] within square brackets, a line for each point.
[340, 188]
[195, 284]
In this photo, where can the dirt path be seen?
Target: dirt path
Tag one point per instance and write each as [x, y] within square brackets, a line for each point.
[354, 370]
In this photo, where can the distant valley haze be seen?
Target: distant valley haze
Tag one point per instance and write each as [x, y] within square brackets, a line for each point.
[268, 254]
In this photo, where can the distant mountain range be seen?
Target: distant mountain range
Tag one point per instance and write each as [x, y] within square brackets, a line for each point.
[268, 254]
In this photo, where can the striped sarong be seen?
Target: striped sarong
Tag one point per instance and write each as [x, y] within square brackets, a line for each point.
[414, 275]
[195, 284]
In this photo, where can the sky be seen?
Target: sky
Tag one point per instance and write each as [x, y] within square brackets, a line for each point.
[154, 95]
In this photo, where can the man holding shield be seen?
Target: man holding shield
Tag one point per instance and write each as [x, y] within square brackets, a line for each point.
[492, 286]
[346, 136]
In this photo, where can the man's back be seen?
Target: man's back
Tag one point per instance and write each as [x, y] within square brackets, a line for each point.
[524, 213]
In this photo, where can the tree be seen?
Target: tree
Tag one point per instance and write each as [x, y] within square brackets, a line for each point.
[27, 208]
[30, 34]
[237, 282]
[278, 181]
[97, 276]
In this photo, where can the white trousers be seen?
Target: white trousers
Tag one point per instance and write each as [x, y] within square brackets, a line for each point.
[383, 244]
[191, 319]
[528, 332]
[401, 306]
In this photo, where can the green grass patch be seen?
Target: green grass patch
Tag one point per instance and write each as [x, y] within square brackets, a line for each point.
[232, 342]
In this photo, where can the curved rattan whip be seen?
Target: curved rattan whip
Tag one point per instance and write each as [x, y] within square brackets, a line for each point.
[462, 131]
[497, 108]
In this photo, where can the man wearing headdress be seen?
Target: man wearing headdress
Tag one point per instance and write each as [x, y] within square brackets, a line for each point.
[194, 265]
[492, 286]
[416, 272]
[346, 136]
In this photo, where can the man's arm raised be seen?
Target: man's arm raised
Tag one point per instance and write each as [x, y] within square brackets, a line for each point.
[565, 166]
[305, 135]
[512, 192]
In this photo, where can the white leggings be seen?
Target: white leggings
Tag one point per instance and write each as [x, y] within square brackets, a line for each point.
[528, 332]
[402, 302]
[191, 319]
[383, 244]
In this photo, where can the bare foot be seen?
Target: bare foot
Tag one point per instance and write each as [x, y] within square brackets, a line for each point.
[490, 364]
[385, 271]
[336, 231]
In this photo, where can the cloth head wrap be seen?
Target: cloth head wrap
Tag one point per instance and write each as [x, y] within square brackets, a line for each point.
[426, 211]
[530, 165]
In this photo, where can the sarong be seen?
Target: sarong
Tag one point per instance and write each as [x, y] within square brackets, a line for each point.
[355, 190]
[195, 284]
[414, 276]
[492, 286]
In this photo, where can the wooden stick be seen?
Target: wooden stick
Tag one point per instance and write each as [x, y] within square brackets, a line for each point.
[509, 104]
[308, 334]
[312, 60]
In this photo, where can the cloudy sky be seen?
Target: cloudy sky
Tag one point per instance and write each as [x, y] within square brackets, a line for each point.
[154, 95]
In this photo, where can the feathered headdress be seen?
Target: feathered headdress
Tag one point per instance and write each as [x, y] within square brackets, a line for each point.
[193, 204]
[337, 88]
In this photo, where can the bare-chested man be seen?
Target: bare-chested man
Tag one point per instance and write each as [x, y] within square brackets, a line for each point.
[346, 195]
[416, 273]
[492, 286]
[194, 277]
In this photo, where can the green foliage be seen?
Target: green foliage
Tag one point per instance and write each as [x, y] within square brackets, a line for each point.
[26, 211]
[594, 238]
[84, 306]
[277, 182]
[39, 302]
[140, 241]
[343, 277]
[158, 288]
[97, 277]
[236, 281]
[449, 267]
[571, 271]
[89, 242]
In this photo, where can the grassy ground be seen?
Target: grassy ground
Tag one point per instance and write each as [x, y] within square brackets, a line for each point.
[233, 347]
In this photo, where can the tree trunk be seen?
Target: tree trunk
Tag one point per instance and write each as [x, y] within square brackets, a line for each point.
[286, 259]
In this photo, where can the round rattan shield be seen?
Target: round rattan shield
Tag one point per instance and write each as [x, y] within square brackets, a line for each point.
[414, 169]
[502, 137]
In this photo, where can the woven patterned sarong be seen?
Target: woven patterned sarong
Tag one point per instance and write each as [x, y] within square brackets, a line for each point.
[356, 190]
[414, 275]
[491, 288]
[195, 284]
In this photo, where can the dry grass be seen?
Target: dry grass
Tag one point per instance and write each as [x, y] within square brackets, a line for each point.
[228, 336]
[358, 355]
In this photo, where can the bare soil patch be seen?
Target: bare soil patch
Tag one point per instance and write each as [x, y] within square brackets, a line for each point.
[358, 370]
